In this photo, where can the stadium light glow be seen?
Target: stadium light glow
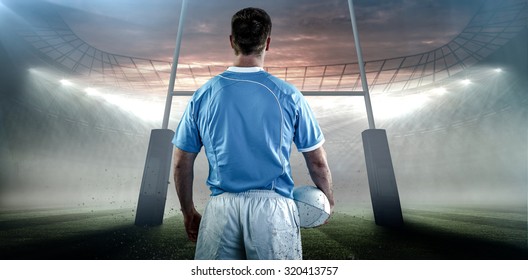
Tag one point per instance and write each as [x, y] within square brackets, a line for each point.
[466, 82]
[92, 91]
[65, 82]
[439, 90]
[387, 107]
[498, 70]
[147, 110]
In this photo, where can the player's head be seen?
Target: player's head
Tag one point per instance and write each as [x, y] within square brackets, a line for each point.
[250, 30]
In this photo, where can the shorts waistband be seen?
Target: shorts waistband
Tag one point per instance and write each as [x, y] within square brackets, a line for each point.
[253, 193]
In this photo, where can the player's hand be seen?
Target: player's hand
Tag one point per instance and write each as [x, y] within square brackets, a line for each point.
[192, 224]
[331, 201]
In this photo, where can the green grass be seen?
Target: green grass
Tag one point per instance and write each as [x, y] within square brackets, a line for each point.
[110, 234]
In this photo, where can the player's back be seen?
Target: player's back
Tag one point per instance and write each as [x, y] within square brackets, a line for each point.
[244, 123]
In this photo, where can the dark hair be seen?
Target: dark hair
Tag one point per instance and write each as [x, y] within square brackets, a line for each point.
[250, 28]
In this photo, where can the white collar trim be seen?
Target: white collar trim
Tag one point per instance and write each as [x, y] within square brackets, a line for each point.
[244, 69]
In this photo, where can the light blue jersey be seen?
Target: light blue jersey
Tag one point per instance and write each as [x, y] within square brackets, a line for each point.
[246, 119]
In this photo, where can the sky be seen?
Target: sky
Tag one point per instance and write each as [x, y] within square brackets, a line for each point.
[307, 32]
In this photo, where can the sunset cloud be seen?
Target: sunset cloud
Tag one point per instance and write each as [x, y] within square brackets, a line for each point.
[308, 32]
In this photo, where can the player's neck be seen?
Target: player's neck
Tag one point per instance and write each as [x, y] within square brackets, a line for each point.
[249, 61]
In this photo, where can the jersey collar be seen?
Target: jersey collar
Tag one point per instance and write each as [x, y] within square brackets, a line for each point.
[244, 69]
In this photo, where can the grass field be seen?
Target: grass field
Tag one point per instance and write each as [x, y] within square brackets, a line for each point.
[442, 233]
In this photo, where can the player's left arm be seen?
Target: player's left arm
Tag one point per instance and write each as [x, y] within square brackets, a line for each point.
[183, 179]
[320, 172]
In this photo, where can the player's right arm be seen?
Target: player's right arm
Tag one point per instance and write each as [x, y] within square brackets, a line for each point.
[320, 172]
[183, 179]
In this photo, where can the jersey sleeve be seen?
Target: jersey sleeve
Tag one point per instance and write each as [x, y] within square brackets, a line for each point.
[187, 135]
[308, 135]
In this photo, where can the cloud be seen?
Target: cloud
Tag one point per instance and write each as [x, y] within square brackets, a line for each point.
[311, 32]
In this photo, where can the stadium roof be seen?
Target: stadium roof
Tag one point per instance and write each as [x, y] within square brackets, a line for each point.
[490, 28]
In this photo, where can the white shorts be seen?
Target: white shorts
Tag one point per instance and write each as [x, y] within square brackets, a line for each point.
[257, 224]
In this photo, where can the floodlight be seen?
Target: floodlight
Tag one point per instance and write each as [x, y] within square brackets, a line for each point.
[466, 82]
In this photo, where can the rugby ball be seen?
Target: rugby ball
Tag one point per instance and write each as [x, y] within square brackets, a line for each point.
[313, 206]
